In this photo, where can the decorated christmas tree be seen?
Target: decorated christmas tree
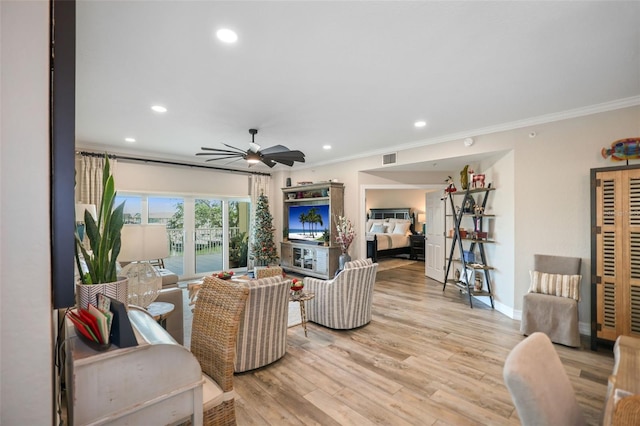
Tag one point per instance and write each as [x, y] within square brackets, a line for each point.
[263, 248]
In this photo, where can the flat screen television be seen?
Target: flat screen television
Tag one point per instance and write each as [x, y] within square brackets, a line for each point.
[307, 223]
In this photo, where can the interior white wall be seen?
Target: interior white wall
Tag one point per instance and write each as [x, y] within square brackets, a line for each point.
[542, 192]
[390, 198]
[501, 229]
[26, 315]
[552, 192]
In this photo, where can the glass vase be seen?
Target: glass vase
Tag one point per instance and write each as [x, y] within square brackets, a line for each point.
[342, 259]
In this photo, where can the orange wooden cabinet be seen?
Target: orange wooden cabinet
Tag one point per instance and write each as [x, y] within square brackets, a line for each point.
[615, 253]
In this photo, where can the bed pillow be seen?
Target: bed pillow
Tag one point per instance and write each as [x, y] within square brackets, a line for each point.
[555, 284]
[378, 228]
[401, 228]
[371, 222]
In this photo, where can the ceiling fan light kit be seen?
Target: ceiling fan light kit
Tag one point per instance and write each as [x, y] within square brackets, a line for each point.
[269, 156]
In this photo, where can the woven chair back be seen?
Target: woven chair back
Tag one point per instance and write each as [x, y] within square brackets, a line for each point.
[216, 318]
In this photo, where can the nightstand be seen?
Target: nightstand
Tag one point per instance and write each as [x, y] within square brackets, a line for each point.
[417, 246]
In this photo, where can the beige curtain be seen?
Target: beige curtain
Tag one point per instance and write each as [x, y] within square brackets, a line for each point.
[89, 179]
[258, 184]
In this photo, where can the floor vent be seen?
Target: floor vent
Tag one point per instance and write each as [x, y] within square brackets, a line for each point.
[389, 158]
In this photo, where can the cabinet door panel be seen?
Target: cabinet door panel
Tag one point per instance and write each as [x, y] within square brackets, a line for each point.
[618, 253]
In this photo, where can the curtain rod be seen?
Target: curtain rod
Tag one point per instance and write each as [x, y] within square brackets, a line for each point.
[170, 163]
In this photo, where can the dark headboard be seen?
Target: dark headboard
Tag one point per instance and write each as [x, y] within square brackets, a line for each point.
[394, 213]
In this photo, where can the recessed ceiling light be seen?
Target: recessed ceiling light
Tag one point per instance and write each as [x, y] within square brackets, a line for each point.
[129, 139]
[159, 108]
[420, 123]
[226, 35]
[326, 146]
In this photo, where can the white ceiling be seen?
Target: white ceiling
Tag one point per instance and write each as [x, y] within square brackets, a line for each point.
[352, 74]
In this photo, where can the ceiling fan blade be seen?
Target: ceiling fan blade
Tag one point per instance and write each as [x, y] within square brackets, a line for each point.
[275, 149]
[283, 161]
[290, 155]
[220, 153]
[226, 157]
[268, 162]
[236, 148]
[224, 150]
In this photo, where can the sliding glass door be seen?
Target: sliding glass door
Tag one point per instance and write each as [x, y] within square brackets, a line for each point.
[205, 234]
[208, 236]
[170, 211]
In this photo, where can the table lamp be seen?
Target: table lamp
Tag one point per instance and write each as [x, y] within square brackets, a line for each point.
[422, 219]
[141, 244]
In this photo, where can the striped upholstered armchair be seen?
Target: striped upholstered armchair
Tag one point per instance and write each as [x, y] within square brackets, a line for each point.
[262, 335]
[345, 301]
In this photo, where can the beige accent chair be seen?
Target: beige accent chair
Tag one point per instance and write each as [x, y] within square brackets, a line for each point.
[216, 318]
[539, 385]
[267, 271]
[555, 316]
[262, 335]
[343, 302]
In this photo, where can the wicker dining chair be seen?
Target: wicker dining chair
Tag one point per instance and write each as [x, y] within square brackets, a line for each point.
[214, 332]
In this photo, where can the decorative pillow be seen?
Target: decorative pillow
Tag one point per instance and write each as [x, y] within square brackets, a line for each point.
[401, 228]
[370, 223]
[378, 228]
[555, 284]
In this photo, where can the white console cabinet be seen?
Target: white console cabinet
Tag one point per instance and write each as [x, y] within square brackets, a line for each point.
[158, 382]
[313, 258]
[315, 261]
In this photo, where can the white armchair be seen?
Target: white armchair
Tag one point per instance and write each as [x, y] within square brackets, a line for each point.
[345, 301]
[262, 333]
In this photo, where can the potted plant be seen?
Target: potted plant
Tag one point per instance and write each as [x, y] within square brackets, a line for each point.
[238, 249]
[326, 236]
[97, 265]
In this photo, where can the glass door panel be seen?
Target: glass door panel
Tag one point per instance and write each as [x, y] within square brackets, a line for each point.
[238, 233]
[208, 241]
[132, 208]
[170, 211]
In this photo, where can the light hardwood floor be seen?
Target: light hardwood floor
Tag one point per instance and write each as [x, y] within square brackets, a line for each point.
[426, 358]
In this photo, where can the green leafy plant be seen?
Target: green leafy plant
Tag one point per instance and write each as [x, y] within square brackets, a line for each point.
[104, 236]
[238, 248]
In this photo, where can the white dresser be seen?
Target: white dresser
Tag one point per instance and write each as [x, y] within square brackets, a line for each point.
[158, 382]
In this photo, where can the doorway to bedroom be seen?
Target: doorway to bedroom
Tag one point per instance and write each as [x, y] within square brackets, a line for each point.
[426, 207]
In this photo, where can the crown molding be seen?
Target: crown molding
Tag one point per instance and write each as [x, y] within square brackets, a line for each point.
[533, 121]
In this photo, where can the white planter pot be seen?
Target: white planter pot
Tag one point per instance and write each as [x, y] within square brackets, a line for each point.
[86, 293]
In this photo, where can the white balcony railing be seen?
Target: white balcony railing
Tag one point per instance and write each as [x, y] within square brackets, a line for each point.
[204, 238]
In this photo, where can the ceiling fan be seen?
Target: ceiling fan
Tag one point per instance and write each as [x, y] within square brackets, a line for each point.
[269, 156]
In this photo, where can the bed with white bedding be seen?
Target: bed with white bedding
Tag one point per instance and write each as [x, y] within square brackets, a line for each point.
[388, 231]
